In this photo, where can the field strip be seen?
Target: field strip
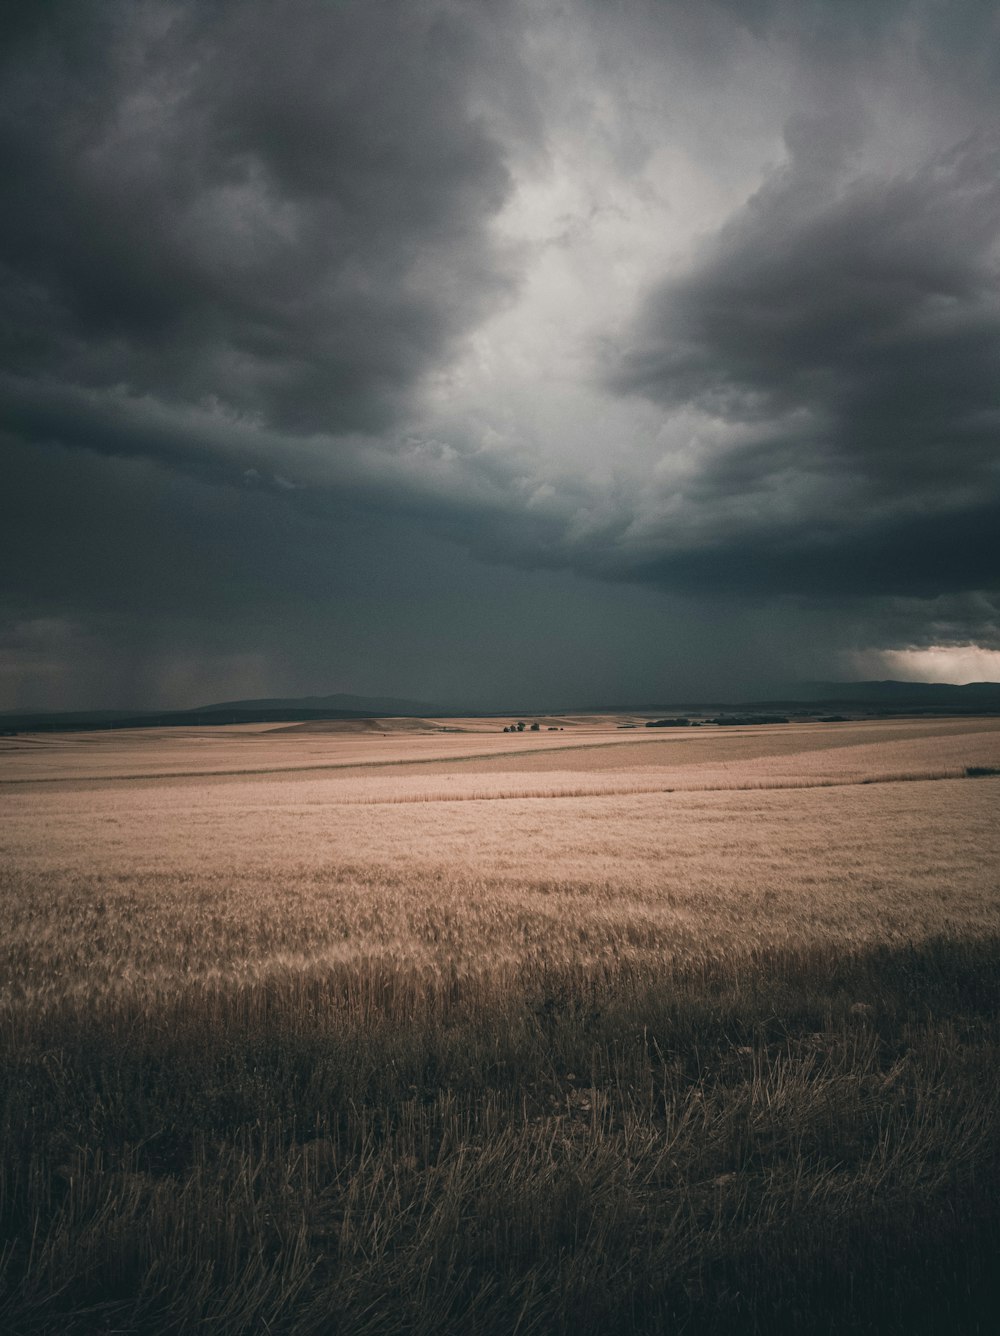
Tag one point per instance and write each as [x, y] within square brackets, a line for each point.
[387, 763]
[58, 766]
[612, 790]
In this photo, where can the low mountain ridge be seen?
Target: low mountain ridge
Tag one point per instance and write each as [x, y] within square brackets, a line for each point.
[367, 705]
[888, 696]
[893, 692]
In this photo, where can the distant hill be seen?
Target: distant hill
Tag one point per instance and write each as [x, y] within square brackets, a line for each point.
[357, 705]
[891, 692]
[84, 720]
[276, 710]
[876, 696]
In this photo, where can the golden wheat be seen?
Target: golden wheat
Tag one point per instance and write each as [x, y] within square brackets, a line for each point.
[473, 1043]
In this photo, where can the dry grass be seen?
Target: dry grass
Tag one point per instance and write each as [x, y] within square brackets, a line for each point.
[311, 1052]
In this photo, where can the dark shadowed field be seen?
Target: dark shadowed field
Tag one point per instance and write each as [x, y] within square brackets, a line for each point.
[384, 1030]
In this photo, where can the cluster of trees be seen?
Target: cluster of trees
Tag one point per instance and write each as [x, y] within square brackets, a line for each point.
[535, 727]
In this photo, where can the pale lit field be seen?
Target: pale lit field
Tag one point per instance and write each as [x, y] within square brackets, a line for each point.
[388, 1030]
[267, 748]
[472, 746]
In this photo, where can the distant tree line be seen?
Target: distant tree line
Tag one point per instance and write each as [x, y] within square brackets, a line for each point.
[682, 722]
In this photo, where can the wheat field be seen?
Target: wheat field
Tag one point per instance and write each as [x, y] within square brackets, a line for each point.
[397, 1029]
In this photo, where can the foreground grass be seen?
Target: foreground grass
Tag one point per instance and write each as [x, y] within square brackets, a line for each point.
[800, 1139]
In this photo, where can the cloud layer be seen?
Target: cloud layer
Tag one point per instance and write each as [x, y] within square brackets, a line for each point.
[698, 301]
[850, 330]
[282, 210]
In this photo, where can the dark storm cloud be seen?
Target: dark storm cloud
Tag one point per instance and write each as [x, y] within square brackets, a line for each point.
[298, 306]
[280, 208]
[848, 323]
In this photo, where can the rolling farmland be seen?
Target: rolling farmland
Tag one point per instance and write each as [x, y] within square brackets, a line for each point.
[394, 1028]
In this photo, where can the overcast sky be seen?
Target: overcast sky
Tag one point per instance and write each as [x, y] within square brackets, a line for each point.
[565, 351]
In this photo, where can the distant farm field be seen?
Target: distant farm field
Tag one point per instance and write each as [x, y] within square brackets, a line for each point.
[393, 1029]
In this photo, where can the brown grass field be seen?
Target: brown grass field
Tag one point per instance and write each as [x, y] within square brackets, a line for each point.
[391, 1029]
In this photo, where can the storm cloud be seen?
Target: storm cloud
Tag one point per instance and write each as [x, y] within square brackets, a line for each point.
[281, 210]
[343, 340]
[852, 330]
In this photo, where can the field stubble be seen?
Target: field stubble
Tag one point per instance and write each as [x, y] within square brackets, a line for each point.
[383, 1052]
